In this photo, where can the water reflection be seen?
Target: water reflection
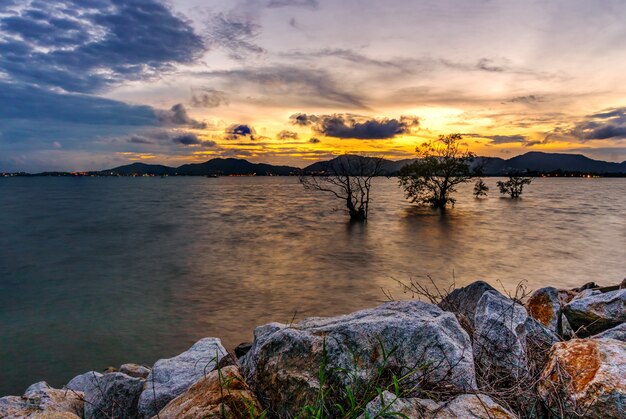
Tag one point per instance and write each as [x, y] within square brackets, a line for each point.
[104, 271]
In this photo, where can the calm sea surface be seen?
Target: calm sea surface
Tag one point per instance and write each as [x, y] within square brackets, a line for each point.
[101, 271]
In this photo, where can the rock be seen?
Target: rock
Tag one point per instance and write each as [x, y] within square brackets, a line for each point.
[221, 394]
[135, 370]
[41, 401]
[171, 377]
[544, 305]
[242, 349]
[112, 395]
[566, 329]
[388, 406]
[586, 293]
[586, 377]
[474, 406]
[283, 366]
[587, 286]
[227, 360]
[463, 301]
[596, 313]
[42, 385]
[465, 406]
[83, 381]
[109, 370]
[618, 333]
[508, 342]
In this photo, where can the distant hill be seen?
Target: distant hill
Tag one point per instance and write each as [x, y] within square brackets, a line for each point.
[549, 162]
[212, 167]
[533, 161]
[141, 169]
[234, 167]
[353, 163]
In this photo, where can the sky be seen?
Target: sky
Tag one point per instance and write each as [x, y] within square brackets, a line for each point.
[93, 84]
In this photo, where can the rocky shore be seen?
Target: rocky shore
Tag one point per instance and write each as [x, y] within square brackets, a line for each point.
[476, 353]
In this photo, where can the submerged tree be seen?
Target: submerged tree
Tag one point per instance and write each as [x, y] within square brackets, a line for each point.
[434, 176]
[348, 178]
[514, 186]
[480, 188]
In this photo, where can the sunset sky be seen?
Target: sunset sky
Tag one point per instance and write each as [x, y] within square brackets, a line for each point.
[92, 84]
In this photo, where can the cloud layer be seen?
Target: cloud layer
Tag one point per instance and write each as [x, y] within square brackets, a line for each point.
[88, 45]
[357, 127]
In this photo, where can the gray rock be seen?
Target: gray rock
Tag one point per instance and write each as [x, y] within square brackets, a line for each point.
[465, 406]
[586, 293]
[83, 381]
[112, 395]
[284, 363]
[389, 406]
[470, 406]
[618, 333]
[464, 300]
[42, 401]
[41, 385]
[135, 370]
[507, 342]
[171, 377]
[596, 313]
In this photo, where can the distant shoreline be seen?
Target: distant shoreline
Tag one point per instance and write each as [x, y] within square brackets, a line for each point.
[532, 164]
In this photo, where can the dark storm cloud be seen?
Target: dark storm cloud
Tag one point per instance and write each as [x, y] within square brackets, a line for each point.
[604, 125]
[190, 139]
[85, 46]
[354, 126]
[208, 98]
[314, 140]
[237, 131]
[287, 135]
[177, 116]
[186, 139]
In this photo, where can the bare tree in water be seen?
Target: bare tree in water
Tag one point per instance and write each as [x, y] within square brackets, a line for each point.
[348, 178]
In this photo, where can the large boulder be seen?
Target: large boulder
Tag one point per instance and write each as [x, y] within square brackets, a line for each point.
[171, 377]
[508, 344]
[40, 401]
[596, 313]
[84, 381]
[617, 332]
[465, 406]
[586, 377]
[112, 395]
[283, 366]
[221, 394]
[463, 301]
